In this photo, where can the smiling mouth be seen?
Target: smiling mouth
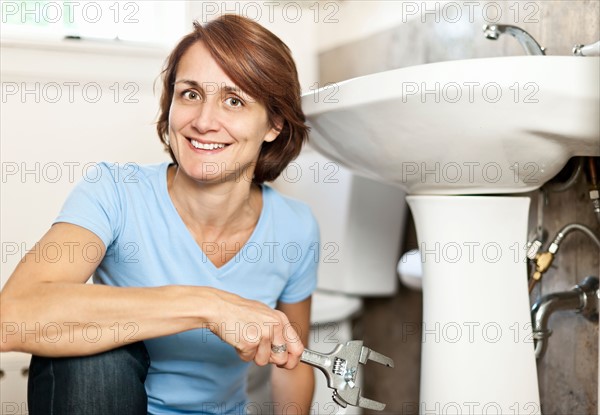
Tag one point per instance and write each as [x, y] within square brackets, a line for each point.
[207, 146]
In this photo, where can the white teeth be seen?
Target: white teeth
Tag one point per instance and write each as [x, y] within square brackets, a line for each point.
[210, 146]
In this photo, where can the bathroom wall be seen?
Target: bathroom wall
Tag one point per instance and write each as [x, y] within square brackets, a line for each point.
[370, 37]
[65, 107]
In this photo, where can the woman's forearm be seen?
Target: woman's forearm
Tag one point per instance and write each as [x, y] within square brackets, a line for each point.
[69, 319]
[72, 319]
[293, 389]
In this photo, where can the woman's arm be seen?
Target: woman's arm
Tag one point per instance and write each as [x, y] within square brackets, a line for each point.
[47, 309]
[293, 389]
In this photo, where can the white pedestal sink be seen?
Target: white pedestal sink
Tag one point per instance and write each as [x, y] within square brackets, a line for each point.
[449, 133]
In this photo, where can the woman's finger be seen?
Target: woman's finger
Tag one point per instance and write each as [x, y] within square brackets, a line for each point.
[263, 352]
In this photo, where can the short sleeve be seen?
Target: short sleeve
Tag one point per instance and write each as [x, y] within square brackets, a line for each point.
[303, 281]
[94, 204]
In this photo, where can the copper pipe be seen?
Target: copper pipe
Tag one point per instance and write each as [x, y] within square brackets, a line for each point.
[592, 167]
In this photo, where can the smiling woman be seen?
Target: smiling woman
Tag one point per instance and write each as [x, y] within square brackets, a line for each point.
[257, 65]
[194, 276]
[210, 124]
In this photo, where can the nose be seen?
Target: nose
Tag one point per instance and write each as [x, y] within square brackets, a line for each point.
[207, 117]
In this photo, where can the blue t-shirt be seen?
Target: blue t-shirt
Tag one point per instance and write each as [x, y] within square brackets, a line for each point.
[129, 208]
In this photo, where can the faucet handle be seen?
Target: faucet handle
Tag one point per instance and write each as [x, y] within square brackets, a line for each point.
[538, 238]
[587, 50]
[533, 248]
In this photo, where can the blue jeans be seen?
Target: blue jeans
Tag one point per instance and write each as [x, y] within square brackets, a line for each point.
[111, 382]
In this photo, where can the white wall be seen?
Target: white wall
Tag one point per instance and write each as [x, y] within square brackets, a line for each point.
[63, 109]
[347, 21]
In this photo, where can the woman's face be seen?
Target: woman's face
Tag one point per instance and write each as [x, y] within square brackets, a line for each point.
[215, 129]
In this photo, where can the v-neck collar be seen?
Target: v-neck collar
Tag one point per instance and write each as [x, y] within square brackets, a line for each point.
[176, 220]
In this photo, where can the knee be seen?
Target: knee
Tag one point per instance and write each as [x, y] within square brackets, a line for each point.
[108, 381]
[122, 365]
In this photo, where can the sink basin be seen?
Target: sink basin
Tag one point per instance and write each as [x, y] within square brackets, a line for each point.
[477, 126]
[456, 136]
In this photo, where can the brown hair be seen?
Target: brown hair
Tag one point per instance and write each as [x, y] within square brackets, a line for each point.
[262, 66]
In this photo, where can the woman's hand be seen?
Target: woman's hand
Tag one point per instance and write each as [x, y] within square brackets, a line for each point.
[253, 329]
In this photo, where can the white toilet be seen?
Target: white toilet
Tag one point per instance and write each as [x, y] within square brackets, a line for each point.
[362, 225]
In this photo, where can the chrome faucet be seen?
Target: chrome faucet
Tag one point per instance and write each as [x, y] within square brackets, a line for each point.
[530, 45]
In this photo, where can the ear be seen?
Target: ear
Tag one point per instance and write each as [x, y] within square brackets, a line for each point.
[273, 133]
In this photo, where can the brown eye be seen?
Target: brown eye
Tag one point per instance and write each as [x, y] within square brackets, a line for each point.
[191, 95]
[234, 102]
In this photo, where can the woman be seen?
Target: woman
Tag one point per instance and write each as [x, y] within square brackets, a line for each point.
[201, 268]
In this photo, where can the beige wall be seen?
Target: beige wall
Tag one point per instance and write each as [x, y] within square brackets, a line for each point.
[568, 374]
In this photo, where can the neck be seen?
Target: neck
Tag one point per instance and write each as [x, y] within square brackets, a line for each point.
[212, 208]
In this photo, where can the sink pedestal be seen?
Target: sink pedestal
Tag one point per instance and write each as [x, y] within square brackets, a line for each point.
[477, 347]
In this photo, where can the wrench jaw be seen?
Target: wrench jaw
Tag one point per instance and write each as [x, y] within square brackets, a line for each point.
[340, 368]
[368, 354]
[356, 354]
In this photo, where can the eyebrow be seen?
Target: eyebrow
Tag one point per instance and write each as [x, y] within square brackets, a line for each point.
[194, 84]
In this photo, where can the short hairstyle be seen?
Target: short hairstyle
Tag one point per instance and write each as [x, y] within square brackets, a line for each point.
[262, 66]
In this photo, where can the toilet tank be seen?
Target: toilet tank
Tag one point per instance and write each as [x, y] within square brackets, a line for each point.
[361, 222]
